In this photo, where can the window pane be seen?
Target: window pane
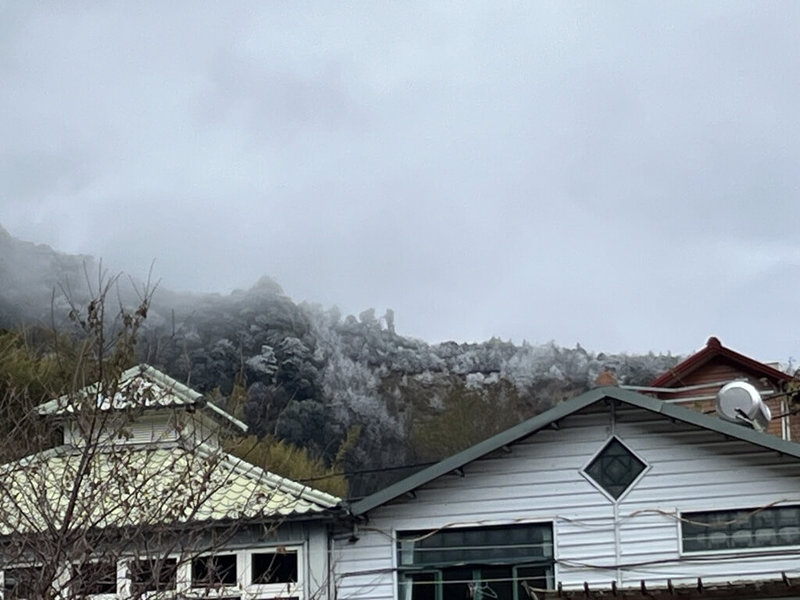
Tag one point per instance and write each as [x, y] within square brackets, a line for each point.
[493, 582]
[208, 571]
[23, 582]
[423, 586]
[95, 578]
[151, 575]
[457, 582]
[615, 468]
[497, 545]
[536, 577]
[731, 529]
[274, 567]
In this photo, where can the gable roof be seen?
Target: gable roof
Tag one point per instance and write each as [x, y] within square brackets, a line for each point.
[555, 414]
[142, 387]
[714, 349]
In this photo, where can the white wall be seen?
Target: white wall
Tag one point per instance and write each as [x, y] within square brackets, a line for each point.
[309, 539]
[596, 540]
[152, 426]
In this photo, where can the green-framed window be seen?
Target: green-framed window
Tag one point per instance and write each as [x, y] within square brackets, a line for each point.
[719, 530]
[475, 562]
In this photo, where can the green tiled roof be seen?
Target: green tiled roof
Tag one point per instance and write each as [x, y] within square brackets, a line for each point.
[129, 486]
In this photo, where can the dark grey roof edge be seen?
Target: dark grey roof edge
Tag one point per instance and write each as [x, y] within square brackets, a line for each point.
[557, 413]
[480, 449]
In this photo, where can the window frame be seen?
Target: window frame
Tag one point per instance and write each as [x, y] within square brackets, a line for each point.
[242, 588]
[596, 484]
[294, 588]
[690, 515]
[130, 583]
[14, 567]
[244, 575]
[405, 572]
[236, 569]
[75, 582]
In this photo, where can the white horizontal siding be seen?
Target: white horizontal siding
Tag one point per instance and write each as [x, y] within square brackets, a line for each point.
[141, 430]
[364, 569]
[151, 430]
[694, 469]
[596, 541]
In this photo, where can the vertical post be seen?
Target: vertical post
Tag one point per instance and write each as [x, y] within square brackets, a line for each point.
[183, 576]
[124, 584]
[61, 582]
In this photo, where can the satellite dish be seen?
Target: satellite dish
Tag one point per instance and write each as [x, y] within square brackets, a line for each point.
[740, 402]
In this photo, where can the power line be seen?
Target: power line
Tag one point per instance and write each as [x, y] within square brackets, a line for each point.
[364, 471]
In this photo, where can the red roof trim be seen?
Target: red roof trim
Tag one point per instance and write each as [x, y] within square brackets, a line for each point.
[714, 349]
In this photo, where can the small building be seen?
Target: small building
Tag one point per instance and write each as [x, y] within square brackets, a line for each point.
[140, 500]
[610, 494]
[695, 382]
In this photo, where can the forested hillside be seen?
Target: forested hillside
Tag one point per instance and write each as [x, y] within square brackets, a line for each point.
[346, 392]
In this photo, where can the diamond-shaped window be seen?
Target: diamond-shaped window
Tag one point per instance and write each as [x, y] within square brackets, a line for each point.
[615, 468]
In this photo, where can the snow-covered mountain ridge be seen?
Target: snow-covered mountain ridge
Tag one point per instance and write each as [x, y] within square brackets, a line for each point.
[311, 376]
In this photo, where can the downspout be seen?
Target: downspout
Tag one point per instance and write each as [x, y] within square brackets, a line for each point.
[331, 591]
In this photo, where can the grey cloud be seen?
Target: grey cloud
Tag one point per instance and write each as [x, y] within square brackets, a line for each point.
[546, 171]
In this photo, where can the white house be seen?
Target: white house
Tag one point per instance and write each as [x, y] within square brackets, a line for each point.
[141, 501]
[610, 493]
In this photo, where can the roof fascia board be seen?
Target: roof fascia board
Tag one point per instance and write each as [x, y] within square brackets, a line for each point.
[479, 450]
[184, 392]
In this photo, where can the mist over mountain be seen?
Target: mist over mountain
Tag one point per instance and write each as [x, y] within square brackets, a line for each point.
[348, 388]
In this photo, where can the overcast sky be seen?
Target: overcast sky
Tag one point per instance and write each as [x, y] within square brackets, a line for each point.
[620, 175]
